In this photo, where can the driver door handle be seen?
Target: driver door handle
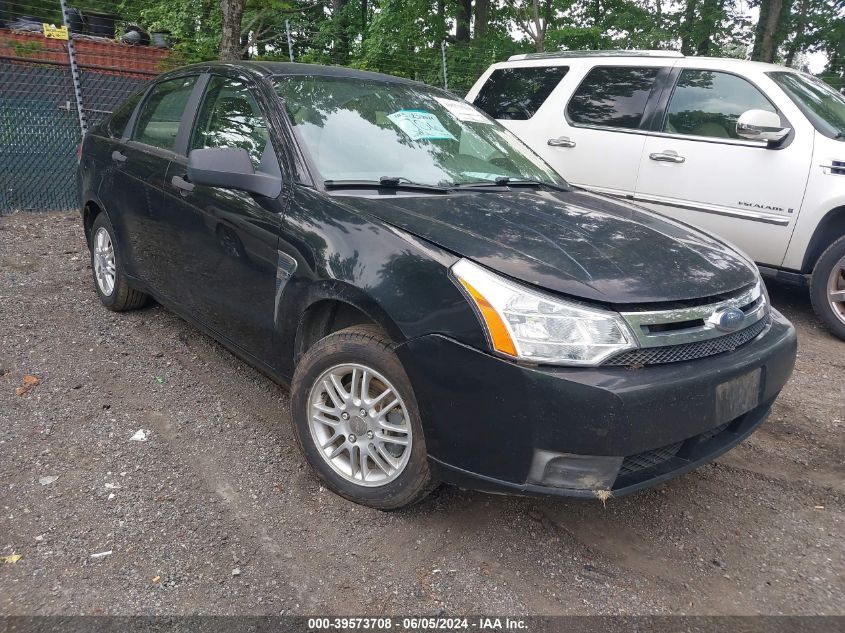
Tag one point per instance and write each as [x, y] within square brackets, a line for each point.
[118, 157]
[561, 141]
[182, 185]
[667, 156]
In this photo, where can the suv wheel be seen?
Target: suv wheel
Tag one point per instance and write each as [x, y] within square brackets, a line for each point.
[356, 420]
[109, 281]
[827, 287]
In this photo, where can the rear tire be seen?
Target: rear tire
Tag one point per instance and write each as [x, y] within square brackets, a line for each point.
[109, 281]
[829, 278]
[366, 448]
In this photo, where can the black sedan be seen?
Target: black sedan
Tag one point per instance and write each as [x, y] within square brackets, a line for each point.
[443, 305]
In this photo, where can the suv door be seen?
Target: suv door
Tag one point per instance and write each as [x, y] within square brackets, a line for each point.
[595, 139]
[135, 188]
[697, 169]
[228, 238]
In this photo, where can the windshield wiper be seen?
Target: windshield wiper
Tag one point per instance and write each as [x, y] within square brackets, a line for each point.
[385, 182]
[505, 181]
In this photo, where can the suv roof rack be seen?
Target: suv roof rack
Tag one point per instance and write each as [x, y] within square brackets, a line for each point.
[589, 53]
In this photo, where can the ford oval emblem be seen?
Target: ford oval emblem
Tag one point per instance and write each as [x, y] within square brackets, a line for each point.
[728, 319]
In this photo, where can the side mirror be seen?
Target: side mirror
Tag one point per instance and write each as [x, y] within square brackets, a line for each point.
[230, 168]
[761, 125]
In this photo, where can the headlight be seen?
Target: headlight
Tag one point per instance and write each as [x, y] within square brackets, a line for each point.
[529, 325]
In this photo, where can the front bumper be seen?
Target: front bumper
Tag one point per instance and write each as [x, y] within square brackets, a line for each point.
[489, 422]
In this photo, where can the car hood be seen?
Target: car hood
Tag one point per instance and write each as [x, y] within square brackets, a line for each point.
[577, 243]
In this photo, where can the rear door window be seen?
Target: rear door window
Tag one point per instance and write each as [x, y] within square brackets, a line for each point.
[517, 93]
[116, 123]
[158, 120]
[612, 96]
[708, 103]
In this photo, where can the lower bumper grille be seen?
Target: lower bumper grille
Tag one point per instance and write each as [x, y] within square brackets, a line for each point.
[688, 351]
[648, 459]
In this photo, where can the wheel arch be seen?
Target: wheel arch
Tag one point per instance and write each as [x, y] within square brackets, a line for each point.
[89, 214]
[335, 306]
[829, 229]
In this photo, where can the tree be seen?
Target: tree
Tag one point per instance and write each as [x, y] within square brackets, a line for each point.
[532, 17]
[230, 32]
[772, 28]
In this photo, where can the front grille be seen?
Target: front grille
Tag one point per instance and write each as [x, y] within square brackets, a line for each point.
[688, 351]
[648, 459]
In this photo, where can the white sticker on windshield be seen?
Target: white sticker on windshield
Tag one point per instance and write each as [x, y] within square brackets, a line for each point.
[463, 111]
[420, 125]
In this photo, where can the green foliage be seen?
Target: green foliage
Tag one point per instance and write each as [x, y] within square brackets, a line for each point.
[404, 37]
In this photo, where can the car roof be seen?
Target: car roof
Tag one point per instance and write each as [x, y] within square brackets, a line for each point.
[269, 69]
[637, 54]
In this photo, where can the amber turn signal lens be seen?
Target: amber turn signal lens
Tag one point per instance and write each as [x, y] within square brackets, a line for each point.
[502, 341]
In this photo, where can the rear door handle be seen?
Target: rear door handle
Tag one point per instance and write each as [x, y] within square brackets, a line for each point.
[668, 156]
[182, 185]
[561, 141]
[117, 157]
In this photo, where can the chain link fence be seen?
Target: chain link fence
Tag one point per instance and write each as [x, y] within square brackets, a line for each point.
[40, 126]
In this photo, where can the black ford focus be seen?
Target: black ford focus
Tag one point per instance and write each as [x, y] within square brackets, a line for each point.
[442, 304]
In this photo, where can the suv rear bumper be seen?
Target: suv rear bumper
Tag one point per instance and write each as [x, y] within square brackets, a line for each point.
[493, 425]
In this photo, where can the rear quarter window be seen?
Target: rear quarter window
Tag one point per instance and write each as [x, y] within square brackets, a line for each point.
[517, 93]
[612, 96]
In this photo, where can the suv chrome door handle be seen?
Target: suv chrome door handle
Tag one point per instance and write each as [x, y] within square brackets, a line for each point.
[561, 141]
[182, 185]
[668, 156]
[117, 157]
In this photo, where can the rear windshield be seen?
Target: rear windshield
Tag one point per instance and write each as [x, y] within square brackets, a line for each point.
[517, 93]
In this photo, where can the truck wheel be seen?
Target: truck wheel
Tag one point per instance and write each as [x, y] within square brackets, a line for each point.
[109, 280]
[827, 287]
[356, 420]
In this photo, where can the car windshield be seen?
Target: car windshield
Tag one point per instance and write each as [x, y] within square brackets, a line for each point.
[819, 102]
[359, 129]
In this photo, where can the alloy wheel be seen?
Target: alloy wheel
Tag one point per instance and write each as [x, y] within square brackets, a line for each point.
[359, 424]
[836, 289]
[104, 266]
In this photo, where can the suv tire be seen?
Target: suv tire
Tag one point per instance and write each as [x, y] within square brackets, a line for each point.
[828, 276]
[344, 433]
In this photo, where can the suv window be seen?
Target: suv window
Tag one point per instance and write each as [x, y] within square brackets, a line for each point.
[612, 96]
[230, 117]
[708, 103]
[158, 121]
[517, 93]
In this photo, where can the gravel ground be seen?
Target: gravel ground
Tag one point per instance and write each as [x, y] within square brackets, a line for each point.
[216, 512]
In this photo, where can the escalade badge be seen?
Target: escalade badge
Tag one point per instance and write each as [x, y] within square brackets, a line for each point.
[727, 319]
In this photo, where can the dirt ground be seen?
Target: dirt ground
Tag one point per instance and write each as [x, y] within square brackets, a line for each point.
[217, 513]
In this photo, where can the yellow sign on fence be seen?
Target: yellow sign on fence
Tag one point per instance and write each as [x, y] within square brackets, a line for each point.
[55, 32]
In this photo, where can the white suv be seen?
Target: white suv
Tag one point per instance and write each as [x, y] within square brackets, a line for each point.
[752, 152]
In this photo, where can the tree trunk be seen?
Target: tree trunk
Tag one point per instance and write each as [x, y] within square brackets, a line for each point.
[462, 22]
[687, 27]
[364, 9]
[341, 33]
[798, 37]
[230, 36]
[540, 39]
[482, 16]
[771, 29]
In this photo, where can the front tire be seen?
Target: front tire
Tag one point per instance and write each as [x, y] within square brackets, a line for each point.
[827, 287]
[109, 281]
[356, 420]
